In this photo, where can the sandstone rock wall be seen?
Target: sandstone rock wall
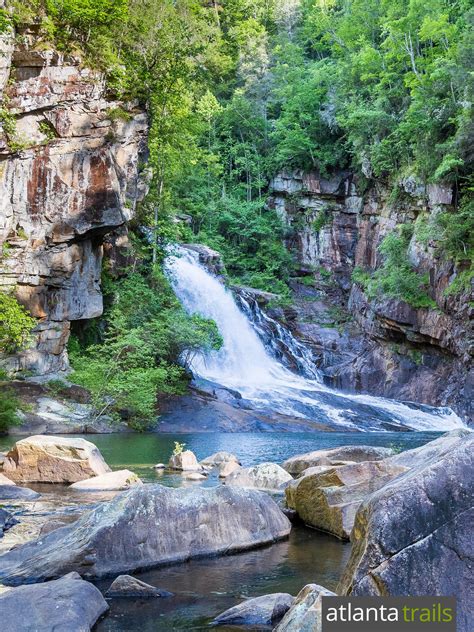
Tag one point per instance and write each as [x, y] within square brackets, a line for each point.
[69, 174]
[384, 347]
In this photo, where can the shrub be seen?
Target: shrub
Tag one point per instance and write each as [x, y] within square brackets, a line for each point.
[9, 406]
[15, 324]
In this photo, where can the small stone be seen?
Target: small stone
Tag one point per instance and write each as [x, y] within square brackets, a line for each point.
[112, 481]
[159, 466]
[128, 586]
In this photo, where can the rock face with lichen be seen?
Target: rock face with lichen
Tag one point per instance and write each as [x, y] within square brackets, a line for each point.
[69, 175]
[382, 346]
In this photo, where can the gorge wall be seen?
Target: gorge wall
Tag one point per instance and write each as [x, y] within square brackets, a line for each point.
[70, 160]
[383, 346]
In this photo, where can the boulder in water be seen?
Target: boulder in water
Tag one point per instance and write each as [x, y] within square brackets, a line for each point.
[268, 476]
[329, 500]
[147, 526]
[265, 610]
[112, 481]
[220, 458]
[63, 605]
[336, 456]
[305, 613]
[227, 468]
[414, 536]
[49, 459]
[184, 461]
[194, 476]
[128, 586]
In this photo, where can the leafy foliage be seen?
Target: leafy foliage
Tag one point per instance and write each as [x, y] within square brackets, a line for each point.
[9, 405]
[396, 277]
[15, 324]
[147, 332]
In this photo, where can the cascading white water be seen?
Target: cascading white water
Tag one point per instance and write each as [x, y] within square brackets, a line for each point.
[243, 364]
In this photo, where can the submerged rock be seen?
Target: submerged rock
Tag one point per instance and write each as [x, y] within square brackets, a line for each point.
[305, 613]
[336, 456]
[128, 586]
[147, 526]
[263, 476]
[63, 605]
[265, 610]
[112, 481]
[329, 500]
[49, 459]
[414, 536]
[185, 461]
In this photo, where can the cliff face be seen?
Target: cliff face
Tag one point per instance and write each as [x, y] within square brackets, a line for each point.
[69, 174]
[384, 346]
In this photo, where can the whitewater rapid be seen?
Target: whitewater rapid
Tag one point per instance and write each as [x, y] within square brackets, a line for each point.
[245, 365]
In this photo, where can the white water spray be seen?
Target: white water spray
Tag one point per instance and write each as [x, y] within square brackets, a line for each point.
[243, 364]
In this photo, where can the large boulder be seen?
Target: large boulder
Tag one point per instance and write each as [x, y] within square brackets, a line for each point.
[329, 500]
[305, 613]
[263, 476]
[112, 481]
[185, 461]
[414, 536]
[336, 456]
[5, 481]
[265, 610]
[127, 586]
[49, 459]
[14, 492]
[63, 605]
[147, 526]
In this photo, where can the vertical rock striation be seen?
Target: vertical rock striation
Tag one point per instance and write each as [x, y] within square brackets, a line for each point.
[69, 174]
[385, 346]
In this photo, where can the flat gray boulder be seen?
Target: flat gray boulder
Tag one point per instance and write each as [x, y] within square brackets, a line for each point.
[14, 492]
[305, 613]
[147, 526]
[414, 536]
[112, 481]
[63, 605]
[337, 456]
[265, 610]
[128, 586]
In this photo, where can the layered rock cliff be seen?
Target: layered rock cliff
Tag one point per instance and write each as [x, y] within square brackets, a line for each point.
[70, 159]
[384, 346]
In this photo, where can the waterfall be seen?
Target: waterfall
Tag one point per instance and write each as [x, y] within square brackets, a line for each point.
[248, 365]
